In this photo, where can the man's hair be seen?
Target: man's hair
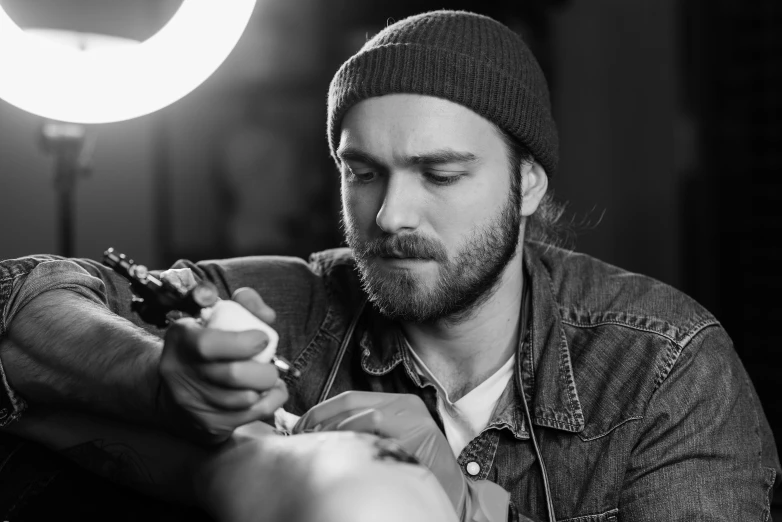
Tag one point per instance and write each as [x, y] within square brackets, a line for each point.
[546, 224]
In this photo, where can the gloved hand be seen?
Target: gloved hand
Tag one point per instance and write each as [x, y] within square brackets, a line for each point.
[209, 382]
[405, 418]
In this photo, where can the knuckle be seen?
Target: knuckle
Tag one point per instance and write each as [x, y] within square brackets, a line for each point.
[231, 373]
[239, 399]
[200, 345]
[248, 398]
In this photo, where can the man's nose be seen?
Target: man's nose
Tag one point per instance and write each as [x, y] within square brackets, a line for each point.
[399, 211]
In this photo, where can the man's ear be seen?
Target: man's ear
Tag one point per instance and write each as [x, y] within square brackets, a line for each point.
[534, 183]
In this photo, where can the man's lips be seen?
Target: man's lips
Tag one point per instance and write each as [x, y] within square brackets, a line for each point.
[402, 258]
[398, 254]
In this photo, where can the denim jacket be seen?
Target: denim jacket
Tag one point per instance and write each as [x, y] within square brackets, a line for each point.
[639, 402]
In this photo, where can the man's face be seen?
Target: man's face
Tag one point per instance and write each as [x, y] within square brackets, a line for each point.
[427, 205]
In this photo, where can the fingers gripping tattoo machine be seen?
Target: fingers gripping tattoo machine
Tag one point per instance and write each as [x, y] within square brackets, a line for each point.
[155, 299]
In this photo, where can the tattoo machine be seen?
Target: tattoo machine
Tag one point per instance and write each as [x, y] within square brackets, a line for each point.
[154, 299]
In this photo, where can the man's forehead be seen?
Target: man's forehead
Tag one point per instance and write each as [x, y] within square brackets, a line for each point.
[414, 122]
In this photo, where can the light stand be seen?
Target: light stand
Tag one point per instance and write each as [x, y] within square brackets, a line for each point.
[110, 79]
[68, 143]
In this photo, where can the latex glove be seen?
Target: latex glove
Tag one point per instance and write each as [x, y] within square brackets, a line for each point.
[405, 418]
[211, 380]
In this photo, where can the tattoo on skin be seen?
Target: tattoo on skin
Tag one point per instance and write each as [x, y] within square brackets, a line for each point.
[117, 462]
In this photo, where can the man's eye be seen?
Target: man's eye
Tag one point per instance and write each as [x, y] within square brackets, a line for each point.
[361, 176]
[442, 180]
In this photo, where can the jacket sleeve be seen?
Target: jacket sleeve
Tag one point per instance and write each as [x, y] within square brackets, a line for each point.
[705, 450]
[24, 279]
[21, 280]
[287, 284]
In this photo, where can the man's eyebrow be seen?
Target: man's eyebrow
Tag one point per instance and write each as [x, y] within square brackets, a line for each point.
[352, 154]
[442, 157]
[436, 157]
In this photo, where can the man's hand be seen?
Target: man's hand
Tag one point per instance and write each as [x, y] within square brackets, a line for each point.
[210, 380]
[405, 418]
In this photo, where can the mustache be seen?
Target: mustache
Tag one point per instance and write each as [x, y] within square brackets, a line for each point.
[407, 245]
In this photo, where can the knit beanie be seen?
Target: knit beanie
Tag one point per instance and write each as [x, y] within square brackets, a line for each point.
[467, 58]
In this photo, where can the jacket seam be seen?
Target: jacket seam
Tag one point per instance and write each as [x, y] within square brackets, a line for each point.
[766, 515]
[673, 355]
[597, 517]
[6, 299]
[321, 270]
[574, 402]
[692, 332]
[304, 357]
[613, 428]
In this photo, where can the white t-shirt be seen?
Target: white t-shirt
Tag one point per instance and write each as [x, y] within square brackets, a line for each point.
[464, 419]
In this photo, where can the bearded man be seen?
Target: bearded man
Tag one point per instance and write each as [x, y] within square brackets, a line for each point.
[533, 382]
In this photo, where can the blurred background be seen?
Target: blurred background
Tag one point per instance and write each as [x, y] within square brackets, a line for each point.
[670, 116]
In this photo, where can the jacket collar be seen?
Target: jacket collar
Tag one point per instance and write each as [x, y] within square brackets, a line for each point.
[544, 362]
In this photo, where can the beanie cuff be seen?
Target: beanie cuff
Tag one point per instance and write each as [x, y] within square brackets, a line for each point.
[477, 85]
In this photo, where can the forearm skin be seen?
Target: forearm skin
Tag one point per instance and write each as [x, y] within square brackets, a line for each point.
[66, 351]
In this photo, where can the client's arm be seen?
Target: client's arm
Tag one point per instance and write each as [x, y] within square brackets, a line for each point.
[66, 351]
[63, 350]
[92, 380]
[254, 476]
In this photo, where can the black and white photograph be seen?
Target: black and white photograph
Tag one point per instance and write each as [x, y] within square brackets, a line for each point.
[390, 261]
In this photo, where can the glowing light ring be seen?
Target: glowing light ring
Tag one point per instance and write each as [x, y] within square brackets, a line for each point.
[119, 82]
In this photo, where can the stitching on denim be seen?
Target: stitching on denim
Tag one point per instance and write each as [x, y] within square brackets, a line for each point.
[495, 444]
[564, 359]
[766, 514]
[670, 357]
[613, 428]
[564, 352]
[306, 355]
[697, 328]
[757, 420]
[597, 517]
[766, 501]
[383, 370]
[673, 354]
[320, 263]
[7, 418]
[551, 422]
[328, 333]
[691, 332]
[617, 323]
[6, 299]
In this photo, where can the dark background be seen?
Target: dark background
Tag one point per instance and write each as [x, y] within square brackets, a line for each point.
[670, 117]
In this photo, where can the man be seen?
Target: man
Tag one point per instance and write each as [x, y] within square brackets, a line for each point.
[532, 381]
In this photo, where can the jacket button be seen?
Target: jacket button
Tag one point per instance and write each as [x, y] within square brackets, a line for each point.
[473, 468]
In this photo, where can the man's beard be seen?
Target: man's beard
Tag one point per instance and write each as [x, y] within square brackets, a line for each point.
[464, 283]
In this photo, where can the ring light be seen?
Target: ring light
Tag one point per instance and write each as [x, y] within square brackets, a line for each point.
[95, 80]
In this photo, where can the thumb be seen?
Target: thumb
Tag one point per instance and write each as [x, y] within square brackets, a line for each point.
[250, 299]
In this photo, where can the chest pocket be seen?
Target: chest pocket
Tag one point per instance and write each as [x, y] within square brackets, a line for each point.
[609, 516]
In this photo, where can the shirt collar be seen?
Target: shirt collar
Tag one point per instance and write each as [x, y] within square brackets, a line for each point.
[545, 365]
